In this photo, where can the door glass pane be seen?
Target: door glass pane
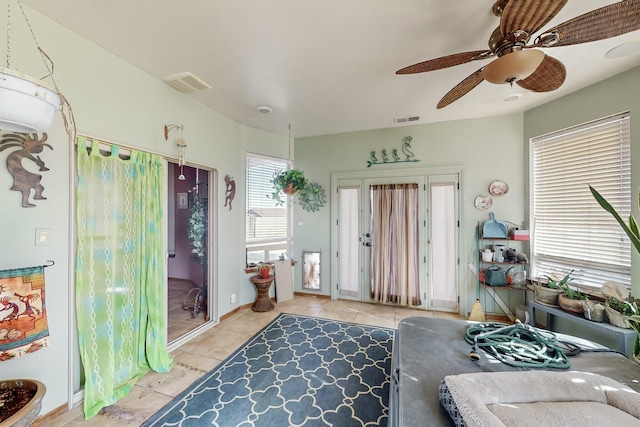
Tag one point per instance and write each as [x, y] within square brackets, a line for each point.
[348, 200]
[188, 263]
[443, 257]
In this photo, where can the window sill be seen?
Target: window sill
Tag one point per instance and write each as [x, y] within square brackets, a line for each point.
[249, 270]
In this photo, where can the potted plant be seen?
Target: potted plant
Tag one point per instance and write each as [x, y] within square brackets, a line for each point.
[634, 321]
[263, 269]
[619, 311]
[547, 292]
[287, 182]
[571, 300]
[632, 231]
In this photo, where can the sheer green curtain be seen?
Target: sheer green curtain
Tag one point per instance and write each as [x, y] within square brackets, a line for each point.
[119, 271]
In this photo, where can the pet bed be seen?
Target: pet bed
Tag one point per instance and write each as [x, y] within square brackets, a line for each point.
[538, 398]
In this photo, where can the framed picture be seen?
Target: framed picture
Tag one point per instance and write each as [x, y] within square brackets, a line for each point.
[311, 270]
[183, 201]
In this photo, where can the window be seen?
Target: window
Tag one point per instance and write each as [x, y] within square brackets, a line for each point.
[569, 228]
[267, 225]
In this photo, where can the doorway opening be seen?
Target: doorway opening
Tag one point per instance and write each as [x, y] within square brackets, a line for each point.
[189, 293]
[396, 238]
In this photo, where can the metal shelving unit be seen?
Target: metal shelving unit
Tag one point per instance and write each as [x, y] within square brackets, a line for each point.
[480, 265]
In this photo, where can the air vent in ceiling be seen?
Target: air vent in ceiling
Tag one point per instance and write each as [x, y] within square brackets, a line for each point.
[186, 82]
[407, 119]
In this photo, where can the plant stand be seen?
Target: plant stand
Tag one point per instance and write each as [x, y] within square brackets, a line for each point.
[625, 339]
[263, 302]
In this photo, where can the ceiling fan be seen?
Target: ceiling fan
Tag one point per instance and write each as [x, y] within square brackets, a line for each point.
[519, 62]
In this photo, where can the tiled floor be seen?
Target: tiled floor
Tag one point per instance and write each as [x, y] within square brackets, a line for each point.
[181, 321]
[202, 354]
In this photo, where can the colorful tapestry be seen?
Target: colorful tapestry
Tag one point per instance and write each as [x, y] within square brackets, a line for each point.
[23, 319]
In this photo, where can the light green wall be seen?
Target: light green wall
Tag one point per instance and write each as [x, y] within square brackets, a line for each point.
[114, 101]
[486, 149]
[614, 95]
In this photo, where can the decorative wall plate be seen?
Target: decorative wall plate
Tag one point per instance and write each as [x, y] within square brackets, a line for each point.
[483, 202]
[498, 188]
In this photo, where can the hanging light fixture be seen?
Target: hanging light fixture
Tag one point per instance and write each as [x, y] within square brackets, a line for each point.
[513, 66]
[181, 143]
[27, 104]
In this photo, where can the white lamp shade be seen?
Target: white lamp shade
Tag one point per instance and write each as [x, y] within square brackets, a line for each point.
[513, 66]
[26, 104]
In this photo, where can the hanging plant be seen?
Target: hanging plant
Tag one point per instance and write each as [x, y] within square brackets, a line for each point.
[288, 181]
[197, 232]
[312, 197]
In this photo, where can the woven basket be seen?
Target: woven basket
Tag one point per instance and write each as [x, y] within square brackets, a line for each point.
[617, 319]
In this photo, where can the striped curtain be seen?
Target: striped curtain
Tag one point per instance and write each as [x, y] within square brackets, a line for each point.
[119, 271]
[394, 244]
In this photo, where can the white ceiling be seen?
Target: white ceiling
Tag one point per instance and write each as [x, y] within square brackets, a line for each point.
[324, 66]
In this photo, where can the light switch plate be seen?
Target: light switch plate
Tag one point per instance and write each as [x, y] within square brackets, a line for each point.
[43, 236]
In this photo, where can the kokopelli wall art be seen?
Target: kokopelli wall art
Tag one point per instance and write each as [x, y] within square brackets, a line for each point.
[28, 147]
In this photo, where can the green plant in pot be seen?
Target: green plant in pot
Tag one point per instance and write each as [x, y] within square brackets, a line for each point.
[548, 291]
[287, 182]
[263, 269]
[634, 321]
[632, 231]
[571, 299]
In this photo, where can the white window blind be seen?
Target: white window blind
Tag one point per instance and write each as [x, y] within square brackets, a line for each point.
[267, 225]
[569, 228]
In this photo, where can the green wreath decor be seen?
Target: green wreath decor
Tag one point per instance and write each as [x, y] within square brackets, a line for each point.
[312, 197]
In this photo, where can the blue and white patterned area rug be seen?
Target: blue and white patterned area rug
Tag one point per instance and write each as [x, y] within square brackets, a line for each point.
[297, 371]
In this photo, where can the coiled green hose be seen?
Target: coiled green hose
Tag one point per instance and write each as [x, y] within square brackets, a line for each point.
[518, 345]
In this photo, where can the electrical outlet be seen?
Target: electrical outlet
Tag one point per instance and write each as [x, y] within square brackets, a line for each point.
[233, 298]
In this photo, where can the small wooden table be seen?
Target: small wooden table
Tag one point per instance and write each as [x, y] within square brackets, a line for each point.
[263, 302]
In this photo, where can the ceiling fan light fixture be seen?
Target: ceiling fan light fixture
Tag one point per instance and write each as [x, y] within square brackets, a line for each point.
[513, 66]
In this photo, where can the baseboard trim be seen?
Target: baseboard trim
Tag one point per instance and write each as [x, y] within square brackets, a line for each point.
[50, 416]
[305, 294]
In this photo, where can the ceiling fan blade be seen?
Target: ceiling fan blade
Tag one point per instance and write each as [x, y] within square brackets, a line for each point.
[528, 15]
[461, 89]
[609, 21]
[547, 77]
[445, 62]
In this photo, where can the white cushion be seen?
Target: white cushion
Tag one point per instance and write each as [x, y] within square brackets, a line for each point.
[536, 398]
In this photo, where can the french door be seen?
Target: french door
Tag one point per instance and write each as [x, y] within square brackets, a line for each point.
[366, 257]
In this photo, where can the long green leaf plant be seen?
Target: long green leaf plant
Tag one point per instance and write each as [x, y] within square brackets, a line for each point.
[631, 229]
